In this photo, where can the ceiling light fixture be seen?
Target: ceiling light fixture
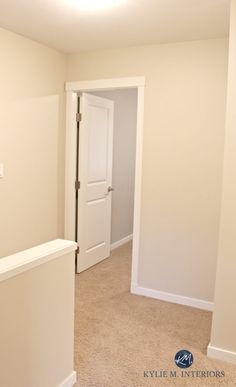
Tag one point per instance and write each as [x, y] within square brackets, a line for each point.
[93, 5]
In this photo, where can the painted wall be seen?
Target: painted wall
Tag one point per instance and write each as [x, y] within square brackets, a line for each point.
[37, 325]
[182, 161]
[224, 318]
[31, 143]
[124, 147]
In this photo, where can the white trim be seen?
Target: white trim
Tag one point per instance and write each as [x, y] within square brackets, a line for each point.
[138, 185]
[105, 84]
[69, 381]
[169, 297]
[73, 88]
[221, 354]
[121, 242]
[70, 169]
[28, 259]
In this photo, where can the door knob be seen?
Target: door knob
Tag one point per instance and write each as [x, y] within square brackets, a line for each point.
[110, 189]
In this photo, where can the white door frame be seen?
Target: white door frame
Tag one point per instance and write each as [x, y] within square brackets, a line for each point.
[72, 90]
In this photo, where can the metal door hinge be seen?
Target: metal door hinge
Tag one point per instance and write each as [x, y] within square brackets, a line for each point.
[77, 250]
[77, 185]
[78, 117]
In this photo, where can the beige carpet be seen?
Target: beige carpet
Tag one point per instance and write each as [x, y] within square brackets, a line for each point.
[118, 336]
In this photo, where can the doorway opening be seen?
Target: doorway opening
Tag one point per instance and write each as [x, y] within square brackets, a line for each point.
[127, 97]
[123, 166]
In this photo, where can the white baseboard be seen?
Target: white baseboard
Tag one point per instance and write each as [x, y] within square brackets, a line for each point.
[121, 242]
[69, 381]
[169, 297]
[221, 354]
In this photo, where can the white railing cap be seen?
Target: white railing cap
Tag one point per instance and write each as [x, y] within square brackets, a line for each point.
[25, 260]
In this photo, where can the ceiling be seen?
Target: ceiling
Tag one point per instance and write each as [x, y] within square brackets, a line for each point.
[62, 24]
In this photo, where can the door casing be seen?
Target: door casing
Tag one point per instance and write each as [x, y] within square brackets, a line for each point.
[72, 91]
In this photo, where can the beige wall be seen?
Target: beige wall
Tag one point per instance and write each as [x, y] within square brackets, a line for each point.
[124, 147]
[182, 160]
[224, 318]
[31, 143]
[37, 325]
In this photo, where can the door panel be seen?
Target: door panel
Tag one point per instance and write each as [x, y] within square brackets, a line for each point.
[95, 175]
[98, 134]
[96, 226]
[96, 190]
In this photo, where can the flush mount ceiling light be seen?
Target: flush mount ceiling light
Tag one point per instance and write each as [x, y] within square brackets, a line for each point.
[93, 5]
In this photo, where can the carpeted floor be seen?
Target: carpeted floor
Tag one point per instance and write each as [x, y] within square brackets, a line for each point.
[118, 336]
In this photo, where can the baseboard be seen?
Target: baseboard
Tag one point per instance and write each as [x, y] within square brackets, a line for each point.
[169, 297]
[121, 242]
[69, 381]
[221, 354]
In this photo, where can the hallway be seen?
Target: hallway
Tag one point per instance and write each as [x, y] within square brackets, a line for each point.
[118, 336]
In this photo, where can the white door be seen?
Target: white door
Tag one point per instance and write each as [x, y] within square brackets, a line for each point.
[95, 176]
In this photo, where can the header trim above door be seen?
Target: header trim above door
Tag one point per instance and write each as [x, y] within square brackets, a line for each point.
[104, 84]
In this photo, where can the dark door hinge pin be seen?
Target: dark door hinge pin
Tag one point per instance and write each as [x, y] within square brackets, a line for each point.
[77, 185]
[78, 117]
